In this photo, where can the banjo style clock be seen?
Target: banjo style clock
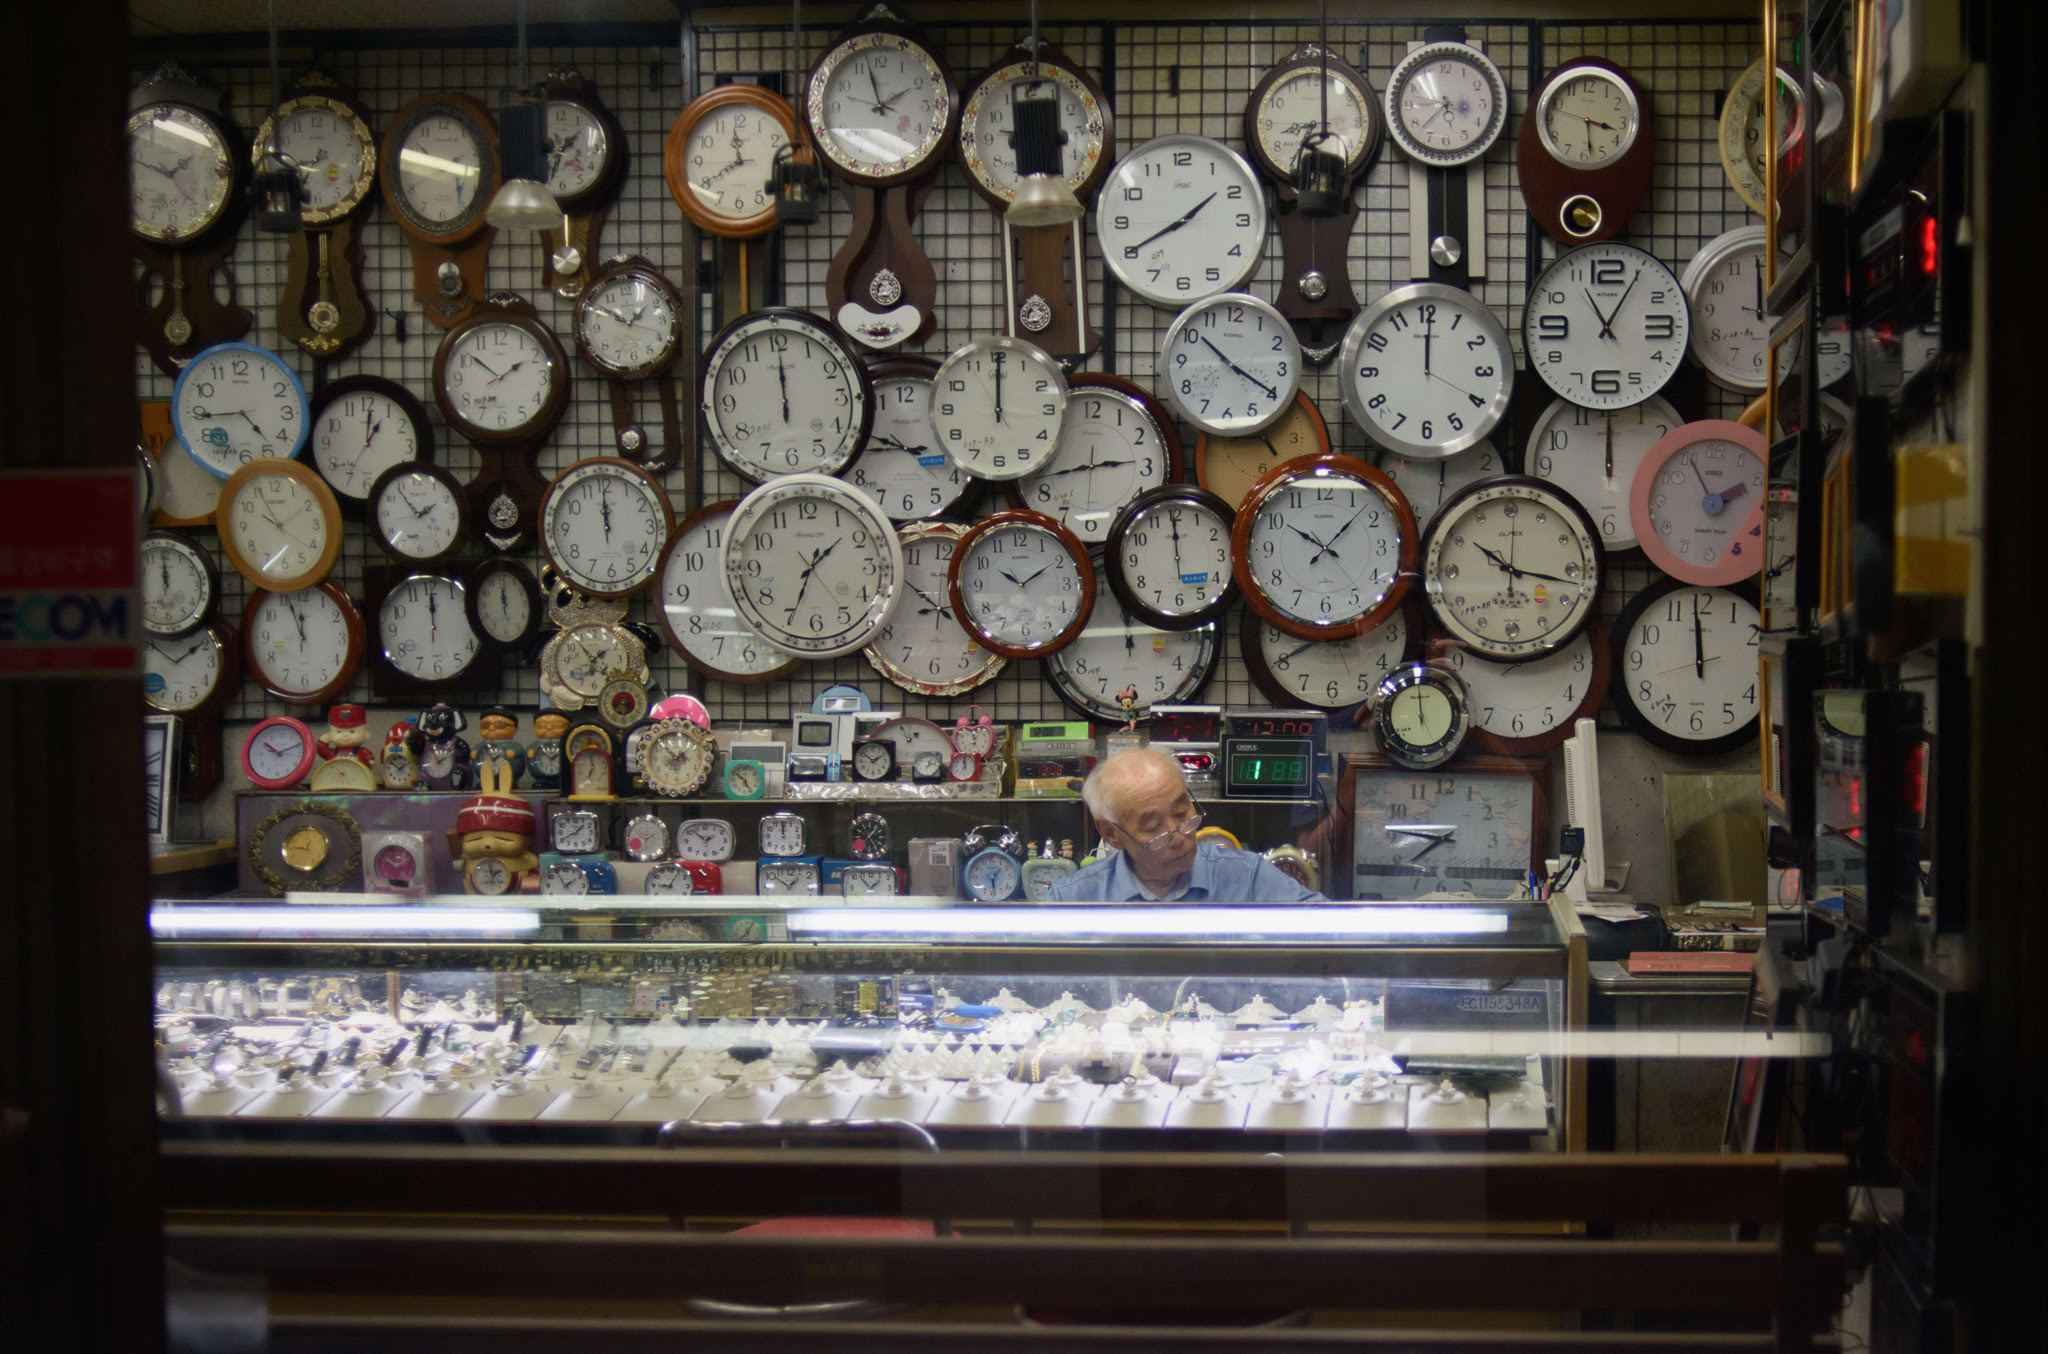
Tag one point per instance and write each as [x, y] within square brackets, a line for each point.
[586, 168]
[502, 380]
[439, 171]
[326, 132]
[1585, 151]
[880, 105]
[187, 167]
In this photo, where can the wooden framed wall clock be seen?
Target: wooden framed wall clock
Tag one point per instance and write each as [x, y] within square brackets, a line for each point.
[1297, 673]
[303, 648]
[503, 601]
[1586, 149]
[326, 132]
[194, 677]
[586, 167]
[1686, 666]
[1323, 547]
[1521, 709]
[719, 157]
[881, 106]
[1229, 466]
[1039, 304]
[439, 170]
[279, 525]
[502, 381]
[187, 168]
[629, 326]
[1314, 93]
[1119, 667]
[1022, 584]
[360, 427]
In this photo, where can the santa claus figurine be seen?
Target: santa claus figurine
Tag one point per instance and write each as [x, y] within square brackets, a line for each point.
[348, 733]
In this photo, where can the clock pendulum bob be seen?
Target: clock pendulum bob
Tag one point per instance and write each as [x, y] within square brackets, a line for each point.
[1591, 196]
[505, 495]
[575, 118]
[321, 306]
[881, 288]
[325, 131]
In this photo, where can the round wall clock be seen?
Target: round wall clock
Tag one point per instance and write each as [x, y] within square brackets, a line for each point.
[881, 106]
[194, 674]
[418, 513]
[1229, 466]
[1297, 673]
[586, 147]
[1420, 715]
[720, 155]
[1428, 482]
[1512, 568]
[1685, 666]
[997, 406]
[333, 147]
[1021, 584]
[1593, 455]
[180, 585]
[924, 648]
[304, 648]
[1446, 103]
[1586, 150]
[278, 753]
[1324, 547]
[1697, 503]
[236, 403]
[604, 523]
[1116, 441]
[987, 124]
[440, 167]
[901, 466]
[181, 172]
[424, 637]
[778, 545]
[1731, 326]
[1745, 146]
[1168, 557]
[1606, 325]
[695, 614]
[1297, 97]
[1180, 218]
[279, 525]
[501, 376]
[1519, 709]
[503, 603]
[1118, 667]
[629, 326]
[784, 393]
[361, 426]
[1427, 370]
[1231, 364]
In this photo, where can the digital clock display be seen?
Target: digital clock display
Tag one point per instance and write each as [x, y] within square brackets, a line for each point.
[1254, 769]
[1269, 767]
[1275, 726]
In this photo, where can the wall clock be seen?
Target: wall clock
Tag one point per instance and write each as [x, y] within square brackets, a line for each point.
[1323, 547]
[901, 466]
[1428, 482]
[424, 643]
[695, 615]
[590, 647]
[1521, 709]
[180, 585]
[1297, 673]
[418, 514]
[237, 403]
[1446, 103]
[279, 525]
[277, 753]
[1512, 568]
[1745, 147]
[1231, 364]
[924, 648]
[194, 677]
[1685, 666]
[1593, 456]
[1725, 286]
[502, 381]
[776, 548]
[1478, 827]
[1427, 370]
[997, 407]
[1229, 466]
[1420, 715]
[629, 326]
[1118, 667]
[1168, 557]
[720, 154]
[304, 648]
[1585, 151]
[1697, 503]
[187, 167]
[1606, 325]
[603, 526]
[438, 172]
[360, 427]
[1181, 218]
[1022, 584]
[325, 130]
[504, 606]
[1115, 442]
[881, 107]
[586, 168]
[1039, 305]
[783, 392]
[1314, 92]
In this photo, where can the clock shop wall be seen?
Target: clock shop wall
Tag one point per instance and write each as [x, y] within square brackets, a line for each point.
[1167, 78]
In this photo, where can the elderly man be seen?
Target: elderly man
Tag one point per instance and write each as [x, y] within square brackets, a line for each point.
[1141, 806]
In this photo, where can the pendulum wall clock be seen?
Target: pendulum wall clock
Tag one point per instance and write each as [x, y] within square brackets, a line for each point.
[502, 381]
[719, 161]
[439, 172]
[1585, 151]
[326, 133]
[1446, 105]
[586, 167]
[629, 325]
[880, 106]
[1040, 305]
[187, 167]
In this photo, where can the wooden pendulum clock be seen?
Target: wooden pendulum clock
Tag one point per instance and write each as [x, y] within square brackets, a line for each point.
[880, 107]
[502, 380]
[324, 131]
[1040, 303]
[440, 170]
[586, 167]
[187, 168]
[720, 160]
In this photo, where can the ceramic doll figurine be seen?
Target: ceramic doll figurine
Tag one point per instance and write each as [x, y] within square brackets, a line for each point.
[348, 730]
[544, 754]
[445, 764]
[500, 730]
[400, 768]
[495, 835]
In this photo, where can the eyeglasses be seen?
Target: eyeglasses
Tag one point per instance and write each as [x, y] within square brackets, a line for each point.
[1186, 827]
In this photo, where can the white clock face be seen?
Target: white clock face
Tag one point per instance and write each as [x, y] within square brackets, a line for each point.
[1330, 675]
[1731, 327]
[783, 834]
[576, 832]
[1701, 507]
[987, 125]
[234, 404]
[697, 613]
[1512, 569]
[881, 104]
[424, 629]
[1452, 831]
[728, 160]
[628, 323]
[1447, 103]
[504, 607]
[1293, 108]
[489, 875]
[872, 761]
[1174, 557]
[1426, 370]
[604, 524]
[577, 147]
[442, 156]
[331, 150]
[781, 396]
[1021, 586]
[1689, 664]
[588, 657]
[676, 762]
[1588, 118]
[924, 648]
[177, 585]
[1119, 656]
[812, 566]
[178, 675]
[1593, 455]
[1606, 325]
[997, 405]
[1427, 482]
[1528, 700]
[498, 377]
[358, 436]
[743, 781]
[275, 752]
[417, 515]
[901, 467]
[1781, 533]
[564, 880]
[669, 881]
[1231, 365]
[1324, 551]
[280, 527]
[785, 880]
[704, 839]
[179, 174]
[1181, 218]
[646, 838]
[869, 881]
[1833, 354]
[1745, 149]
[1110, 450]
[299, 641]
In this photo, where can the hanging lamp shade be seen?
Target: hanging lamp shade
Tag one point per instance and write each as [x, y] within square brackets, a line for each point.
[523, 201]
[1043, 197]
[1319, 174]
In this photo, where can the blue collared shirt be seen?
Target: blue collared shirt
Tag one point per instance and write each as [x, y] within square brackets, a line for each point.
[1220, 874]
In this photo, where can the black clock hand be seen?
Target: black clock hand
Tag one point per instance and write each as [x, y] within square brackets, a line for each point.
[1271, 393]
[299, 618]
[816, 560]
[782, 377]
[166, 562]
[1699, 643]
[1011, 577]
[1604, 327]
[1173, 521]
[1130, 640]
[1434, 843]
[1027, 582]
[1610, 448]
[604, 510]
[1176, 225]
[1758, 275]
[999, 386]
[1332, 546]
[1083, 469]
[1605, 332]
[1428, 333]
[876, 85]
[433, 619]
[485, 365]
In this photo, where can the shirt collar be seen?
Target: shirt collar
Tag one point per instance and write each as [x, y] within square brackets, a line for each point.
[1200, 882]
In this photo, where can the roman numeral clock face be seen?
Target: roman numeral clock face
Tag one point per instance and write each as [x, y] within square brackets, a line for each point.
[1606, 326]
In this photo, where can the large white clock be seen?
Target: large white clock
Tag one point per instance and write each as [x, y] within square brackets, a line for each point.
[1427, 370]
[1606, 325]
[1181, 218]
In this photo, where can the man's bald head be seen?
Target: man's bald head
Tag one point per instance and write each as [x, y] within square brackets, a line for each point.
[1132, 776]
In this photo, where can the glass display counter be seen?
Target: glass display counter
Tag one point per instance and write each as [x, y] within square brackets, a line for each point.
[1356, 1025]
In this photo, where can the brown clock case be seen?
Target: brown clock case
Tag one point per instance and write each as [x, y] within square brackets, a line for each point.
[1553, 190]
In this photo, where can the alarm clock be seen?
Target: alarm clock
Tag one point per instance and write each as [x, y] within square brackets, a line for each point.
[397, 864]
[869, 879]
[1041, 873]
[1186, 723]
[812, 767]
[579, 878]
[874, 759]
[992, 875]
[745, 779]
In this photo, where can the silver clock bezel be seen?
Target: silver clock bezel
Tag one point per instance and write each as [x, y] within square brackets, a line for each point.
[783, 816]
[661, 837]
[1422, 56]
[1402, 678]
[1292, 346]
[1563, 76]
[1354, 340]
[1025, 353]
[1255, 203]
[1703, 262]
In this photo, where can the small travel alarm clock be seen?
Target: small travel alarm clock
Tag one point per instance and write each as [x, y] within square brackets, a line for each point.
[992, 875]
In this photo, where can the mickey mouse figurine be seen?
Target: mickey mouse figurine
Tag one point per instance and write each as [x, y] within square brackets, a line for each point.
[544, 755]
[500, 729]
[1127, 701]
[348, 729]
[445, 764]
[494, 836]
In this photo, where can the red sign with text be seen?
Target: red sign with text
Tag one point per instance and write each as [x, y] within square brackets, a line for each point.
[67, 573]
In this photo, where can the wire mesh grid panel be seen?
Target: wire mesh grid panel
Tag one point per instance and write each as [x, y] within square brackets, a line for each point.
[1160, 77]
